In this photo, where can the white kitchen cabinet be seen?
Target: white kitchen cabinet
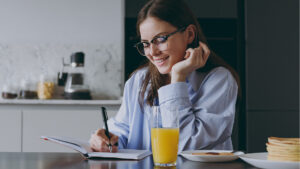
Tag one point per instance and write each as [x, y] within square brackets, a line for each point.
[22, 122]
[76, 123]
[10, 130]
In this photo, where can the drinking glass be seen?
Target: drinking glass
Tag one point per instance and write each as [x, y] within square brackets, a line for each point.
[164, 135]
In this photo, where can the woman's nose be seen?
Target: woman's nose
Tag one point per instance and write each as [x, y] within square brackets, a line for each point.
[154, 50]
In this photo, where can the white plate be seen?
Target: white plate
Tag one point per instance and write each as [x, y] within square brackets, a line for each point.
[210, 158]
[260, 160]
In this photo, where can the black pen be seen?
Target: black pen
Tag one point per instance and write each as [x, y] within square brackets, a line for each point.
[104, 116]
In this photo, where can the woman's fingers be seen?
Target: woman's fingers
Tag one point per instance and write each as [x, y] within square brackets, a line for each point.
[192, 60]
[104, 147]
[188, 53]
[114, 139]
[114, 149]
[195, 59]
[102, 136]
[198, 56]
[98, 145]
[205, 50]
[201, 54]
[99, 141]
[95, 143]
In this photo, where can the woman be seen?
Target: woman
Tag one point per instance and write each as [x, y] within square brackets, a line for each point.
[181, 71]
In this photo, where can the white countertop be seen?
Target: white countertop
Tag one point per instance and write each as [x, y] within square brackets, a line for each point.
[59, 102]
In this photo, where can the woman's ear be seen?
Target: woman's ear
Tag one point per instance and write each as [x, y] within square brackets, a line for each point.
[190, 33]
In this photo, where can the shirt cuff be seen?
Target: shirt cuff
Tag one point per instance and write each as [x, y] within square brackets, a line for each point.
[173, 91]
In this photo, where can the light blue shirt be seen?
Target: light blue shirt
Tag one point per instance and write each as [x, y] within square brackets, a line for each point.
[206, 106]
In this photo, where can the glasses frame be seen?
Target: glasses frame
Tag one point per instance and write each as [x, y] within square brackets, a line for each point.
[165, 37]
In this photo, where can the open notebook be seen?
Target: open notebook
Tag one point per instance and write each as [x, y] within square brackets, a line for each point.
[84, 148]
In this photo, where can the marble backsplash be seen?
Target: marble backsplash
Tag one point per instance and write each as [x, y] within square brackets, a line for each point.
[103, 65]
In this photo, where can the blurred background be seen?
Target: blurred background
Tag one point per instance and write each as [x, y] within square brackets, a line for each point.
[259, 39]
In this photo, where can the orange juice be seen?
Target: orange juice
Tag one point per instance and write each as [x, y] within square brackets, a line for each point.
[164, 144]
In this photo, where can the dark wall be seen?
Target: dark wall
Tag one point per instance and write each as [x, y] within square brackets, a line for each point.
[272, 71]
[201, 8]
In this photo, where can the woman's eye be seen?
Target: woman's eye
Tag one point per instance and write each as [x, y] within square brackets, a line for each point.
[159, 40]
[145, 45]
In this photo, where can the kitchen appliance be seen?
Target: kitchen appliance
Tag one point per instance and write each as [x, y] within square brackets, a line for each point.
[75, 88]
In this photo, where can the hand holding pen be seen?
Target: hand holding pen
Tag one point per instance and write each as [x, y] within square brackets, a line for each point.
[101, 140]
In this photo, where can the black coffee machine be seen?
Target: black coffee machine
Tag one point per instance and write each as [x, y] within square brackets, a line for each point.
[75, 88]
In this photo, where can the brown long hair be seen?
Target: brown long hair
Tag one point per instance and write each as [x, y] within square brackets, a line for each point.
[178, 14]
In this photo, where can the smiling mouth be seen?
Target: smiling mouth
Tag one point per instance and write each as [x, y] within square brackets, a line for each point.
[160, 61]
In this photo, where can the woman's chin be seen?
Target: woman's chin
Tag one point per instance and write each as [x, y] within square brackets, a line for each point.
[164, 70]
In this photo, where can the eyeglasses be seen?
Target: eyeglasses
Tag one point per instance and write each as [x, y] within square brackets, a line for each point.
[159, 41]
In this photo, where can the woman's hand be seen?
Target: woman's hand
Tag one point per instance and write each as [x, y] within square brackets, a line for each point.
[193, 59]
[99, 141]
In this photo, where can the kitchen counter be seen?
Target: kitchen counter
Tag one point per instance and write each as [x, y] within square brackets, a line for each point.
[24, 121]
[58, 102]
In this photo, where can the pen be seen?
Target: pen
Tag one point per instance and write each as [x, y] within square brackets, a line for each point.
[104, 116]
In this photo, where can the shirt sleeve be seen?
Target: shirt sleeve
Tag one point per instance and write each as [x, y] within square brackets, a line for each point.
[121, 124]
[208, 120]
[118, 125]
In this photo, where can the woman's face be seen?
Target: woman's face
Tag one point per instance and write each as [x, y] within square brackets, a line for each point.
[176, 44]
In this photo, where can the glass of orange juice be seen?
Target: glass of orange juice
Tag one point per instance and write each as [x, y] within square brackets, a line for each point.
[164, 136]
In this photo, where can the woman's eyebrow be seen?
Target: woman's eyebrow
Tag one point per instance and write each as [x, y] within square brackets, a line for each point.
[143, 40]
[159, 34]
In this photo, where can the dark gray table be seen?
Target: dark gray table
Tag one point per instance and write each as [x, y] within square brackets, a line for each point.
[17, 160]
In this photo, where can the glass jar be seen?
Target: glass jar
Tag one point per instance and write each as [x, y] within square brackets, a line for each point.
[45, 88]
[27, 90]
[9, 92]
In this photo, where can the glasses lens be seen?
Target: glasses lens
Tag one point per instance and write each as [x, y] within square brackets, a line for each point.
[162, 46]
[140, 48]
[161, 43]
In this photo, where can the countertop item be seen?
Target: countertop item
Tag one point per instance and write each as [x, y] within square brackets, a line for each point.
[9, 95]
[9, 92]
[27, 94]
[75, 86]
[45, 87]
[27, 89]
